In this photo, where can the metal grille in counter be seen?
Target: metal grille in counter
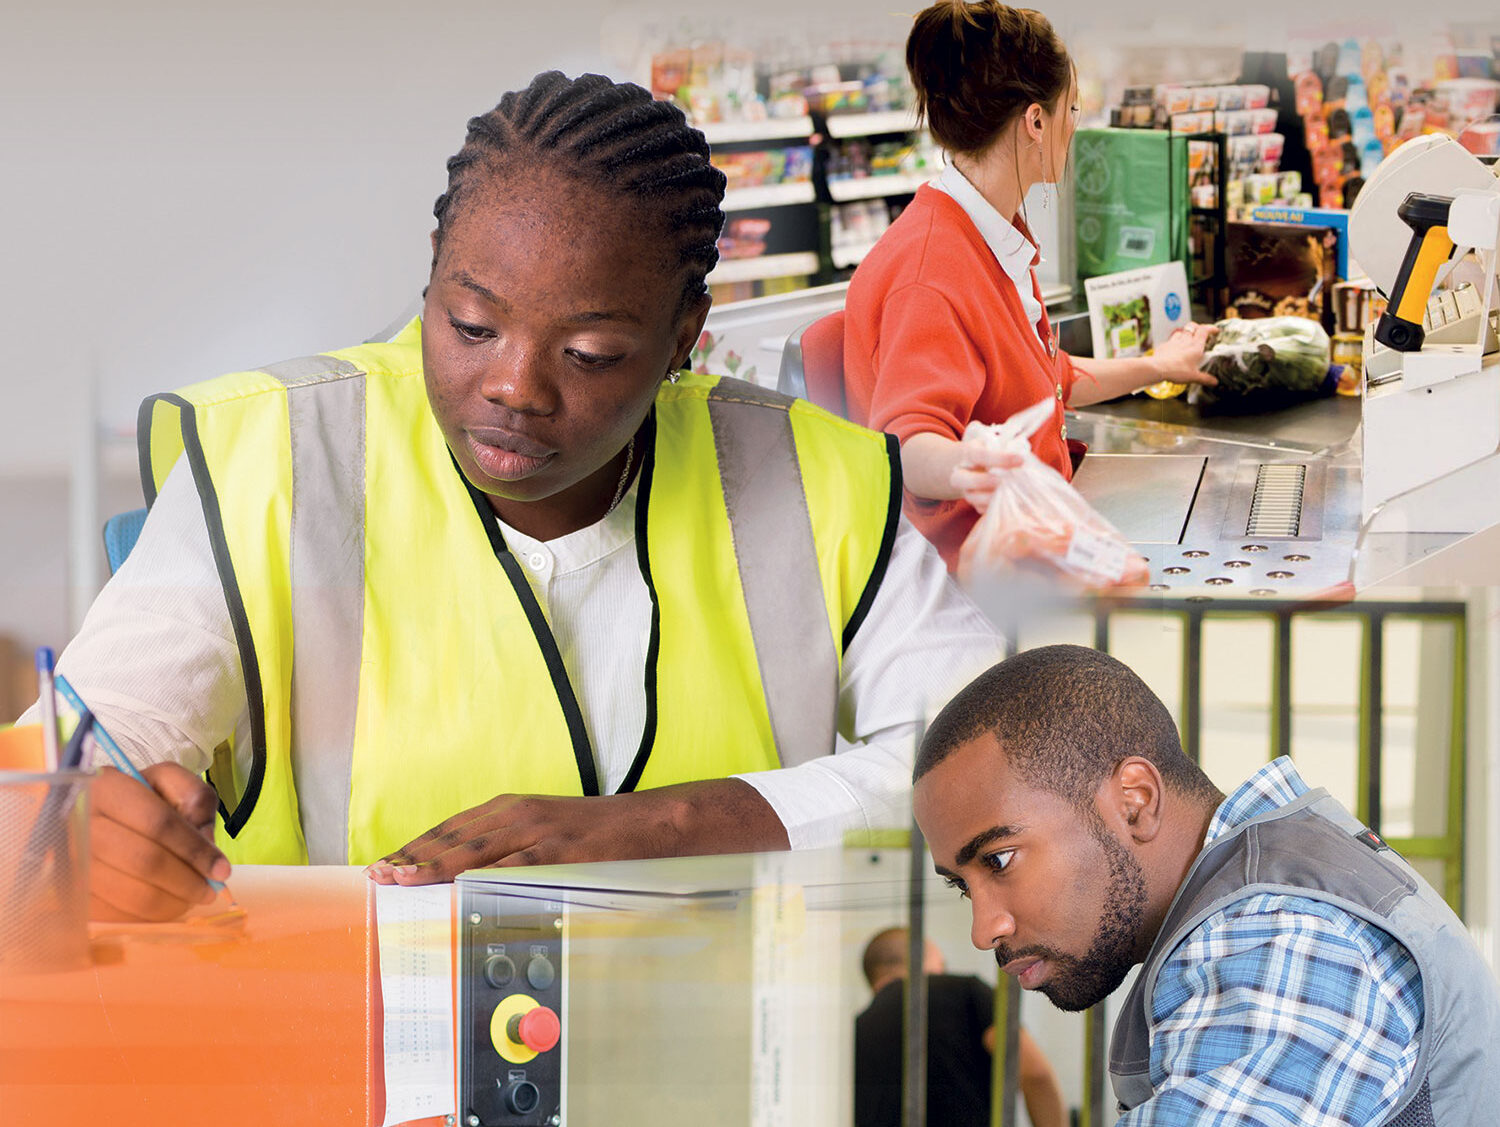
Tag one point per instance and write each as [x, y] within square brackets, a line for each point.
[1276, 509]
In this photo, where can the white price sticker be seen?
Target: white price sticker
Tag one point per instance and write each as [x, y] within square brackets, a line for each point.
[1098, 560]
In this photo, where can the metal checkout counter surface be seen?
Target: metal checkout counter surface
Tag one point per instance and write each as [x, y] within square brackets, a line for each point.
[1399, 486]
[1231, 507]
[1257, 505]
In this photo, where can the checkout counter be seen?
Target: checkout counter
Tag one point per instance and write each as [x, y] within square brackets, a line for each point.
[1395, 487]
[1227, 506]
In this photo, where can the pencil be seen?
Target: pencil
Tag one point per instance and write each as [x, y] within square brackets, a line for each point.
[117, 756]
[45, 663]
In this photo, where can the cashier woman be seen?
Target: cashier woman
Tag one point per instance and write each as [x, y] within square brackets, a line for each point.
[944, 320]
[512, 587]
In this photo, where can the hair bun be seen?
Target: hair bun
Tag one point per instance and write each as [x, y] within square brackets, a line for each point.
[977, 64]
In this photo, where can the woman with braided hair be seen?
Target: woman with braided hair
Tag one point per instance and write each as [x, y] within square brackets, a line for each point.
[945, 323]
[512, 587]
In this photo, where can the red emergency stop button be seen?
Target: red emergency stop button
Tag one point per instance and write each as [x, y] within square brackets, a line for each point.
[538, 1029]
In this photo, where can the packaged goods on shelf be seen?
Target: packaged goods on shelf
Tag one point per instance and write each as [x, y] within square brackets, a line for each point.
[860, 156]
[1358, 100]
[1356, 304]
[1137, 109]
[831, 98]
[1191, 109]
[787, 165]
[763, 116]
[1282, 269]
[1318, 217]
[1481, 138]
[1236, 122]
[1196, 121]
[714, 82]
[726, 292]
[1466, 100]
[854, 228]
[744, 237]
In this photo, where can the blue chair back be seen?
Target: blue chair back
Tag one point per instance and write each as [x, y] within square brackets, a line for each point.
[120, 534]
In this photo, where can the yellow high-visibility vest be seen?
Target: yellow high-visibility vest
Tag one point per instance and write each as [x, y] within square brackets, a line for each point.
[396, 662]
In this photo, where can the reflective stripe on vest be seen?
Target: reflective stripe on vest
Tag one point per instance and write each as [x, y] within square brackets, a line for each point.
[778, 565]
[326, 429]
[836, 543]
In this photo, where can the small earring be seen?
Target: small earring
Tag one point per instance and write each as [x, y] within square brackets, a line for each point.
[673, 375]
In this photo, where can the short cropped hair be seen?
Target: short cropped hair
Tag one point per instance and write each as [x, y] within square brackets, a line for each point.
[1065, 717]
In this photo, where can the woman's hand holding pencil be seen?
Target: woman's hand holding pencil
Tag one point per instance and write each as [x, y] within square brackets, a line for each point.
[151, 832]
[153, 850]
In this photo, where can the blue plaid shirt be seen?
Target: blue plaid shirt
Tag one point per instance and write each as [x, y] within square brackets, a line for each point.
[1280, 1010]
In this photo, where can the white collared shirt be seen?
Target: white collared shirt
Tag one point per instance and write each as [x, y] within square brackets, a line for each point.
[156, 659]
[1016, 253]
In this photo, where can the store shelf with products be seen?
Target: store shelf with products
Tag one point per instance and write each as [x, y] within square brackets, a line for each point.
[806, 142]
[772, 224]
[848, 256]
[876, 187]
[758, 196]
[854, 228]
[871, 124]
[763, 266]
[771, 129]
[1208, 226]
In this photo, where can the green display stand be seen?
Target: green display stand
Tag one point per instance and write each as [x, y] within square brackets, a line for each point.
[1130, 199]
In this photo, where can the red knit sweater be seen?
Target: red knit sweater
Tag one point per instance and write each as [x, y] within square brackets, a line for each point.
[935, 336]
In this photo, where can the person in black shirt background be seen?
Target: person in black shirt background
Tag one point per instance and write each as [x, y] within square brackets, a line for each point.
[960, 1040]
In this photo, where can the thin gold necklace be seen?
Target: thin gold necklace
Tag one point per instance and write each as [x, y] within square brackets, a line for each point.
[624, 476]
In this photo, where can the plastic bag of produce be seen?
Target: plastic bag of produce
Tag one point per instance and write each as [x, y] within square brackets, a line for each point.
[1263, 363]
[1030, 517]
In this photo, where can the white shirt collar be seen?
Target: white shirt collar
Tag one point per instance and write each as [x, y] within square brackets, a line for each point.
[585, 546]
[1012, 249]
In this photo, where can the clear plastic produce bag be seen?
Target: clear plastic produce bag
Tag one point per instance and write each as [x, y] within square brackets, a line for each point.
[1030, 517]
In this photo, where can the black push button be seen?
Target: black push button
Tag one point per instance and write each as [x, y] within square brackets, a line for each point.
[522, 1097]
[499, 971]
[540, 972]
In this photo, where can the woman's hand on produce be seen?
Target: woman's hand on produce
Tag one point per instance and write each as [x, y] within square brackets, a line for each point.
[1177, 358]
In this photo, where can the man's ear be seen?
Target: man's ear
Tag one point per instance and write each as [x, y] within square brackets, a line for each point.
[1130, 799]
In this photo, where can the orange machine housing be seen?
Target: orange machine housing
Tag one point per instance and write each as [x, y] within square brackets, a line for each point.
[275, 1020]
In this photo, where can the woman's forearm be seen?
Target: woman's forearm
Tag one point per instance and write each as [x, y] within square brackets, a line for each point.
[927, 465]
[1109, 379]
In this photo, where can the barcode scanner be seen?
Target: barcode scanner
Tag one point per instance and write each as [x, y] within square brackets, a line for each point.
[1400, 326]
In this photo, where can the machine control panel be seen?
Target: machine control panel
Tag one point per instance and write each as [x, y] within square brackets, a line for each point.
[511, 1010]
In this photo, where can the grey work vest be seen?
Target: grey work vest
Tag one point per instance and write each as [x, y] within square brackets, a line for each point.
[1312, 847]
